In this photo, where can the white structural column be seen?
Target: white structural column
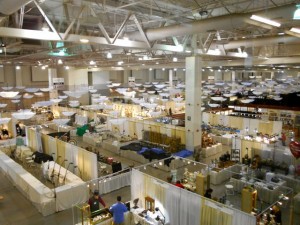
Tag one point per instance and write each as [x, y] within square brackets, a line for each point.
[193, 114]
[52, 73]
[126, 75]
[19, 79]
[233, 76]
[171, 78]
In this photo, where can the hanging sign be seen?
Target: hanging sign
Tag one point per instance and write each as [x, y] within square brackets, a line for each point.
[131, 81]
[58, 82]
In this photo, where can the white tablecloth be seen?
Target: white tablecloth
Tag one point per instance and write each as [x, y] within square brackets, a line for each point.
[264, 193]
[213, 150]
[92, 138]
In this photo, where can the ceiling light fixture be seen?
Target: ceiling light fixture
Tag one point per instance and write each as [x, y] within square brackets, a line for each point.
[43, 67]
[295, 30]
[120, 63]
[18, 67]
[84, 40]
[92, 62]
[297, 13]
[109, 55]
[45, 27]
[67, 67]
[265, 20]
[163, 69]
[175, 59]
[60, 61]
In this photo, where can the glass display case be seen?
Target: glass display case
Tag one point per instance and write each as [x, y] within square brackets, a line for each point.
[83, 215]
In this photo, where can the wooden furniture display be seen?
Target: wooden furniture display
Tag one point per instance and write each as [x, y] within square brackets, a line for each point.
[201, 184]
[149, 204]
[249, 196]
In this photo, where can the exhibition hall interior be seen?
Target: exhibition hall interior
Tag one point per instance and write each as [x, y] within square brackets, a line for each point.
[187, 109]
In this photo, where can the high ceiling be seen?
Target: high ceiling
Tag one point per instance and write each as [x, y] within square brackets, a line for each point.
[147, 33]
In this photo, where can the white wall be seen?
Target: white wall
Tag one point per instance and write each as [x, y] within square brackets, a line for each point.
[100, 77]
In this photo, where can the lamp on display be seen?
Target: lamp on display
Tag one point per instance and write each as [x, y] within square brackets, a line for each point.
[158, 218]
[135, 202]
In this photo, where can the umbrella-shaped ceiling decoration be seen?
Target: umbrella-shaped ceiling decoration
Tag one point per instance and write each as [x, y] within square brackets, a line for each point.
[4, 120]
[23, 114]
[8, 94]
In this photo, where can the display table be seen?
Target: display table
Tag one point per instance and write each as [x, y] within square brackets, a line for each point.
[219, 176]
[93, 139]
[213, 150]
[150, 220]
[264, 193]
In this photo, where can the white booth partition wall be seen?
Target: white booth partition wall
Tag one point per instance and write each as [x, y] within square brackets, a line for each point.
[84, 162]
[180, 206]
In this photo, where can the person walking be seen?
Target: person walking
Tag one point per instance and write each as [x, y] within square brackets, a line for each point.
[118, 209]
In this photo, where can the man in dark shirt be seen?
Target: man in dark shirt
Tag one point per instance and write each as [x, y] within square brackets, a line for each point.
[94, 202]
[208, 193]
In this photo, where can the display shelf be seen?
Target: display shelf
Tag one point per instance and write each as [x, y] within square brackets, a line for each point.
[235, 155]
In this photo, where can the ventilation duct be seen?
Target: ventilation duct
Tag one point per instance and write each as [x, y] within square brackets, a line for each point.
[11, 6]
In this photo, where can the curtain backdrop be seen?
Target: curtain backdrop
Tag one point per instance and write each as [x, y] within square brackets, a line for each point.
[212, 213]
[183, 207]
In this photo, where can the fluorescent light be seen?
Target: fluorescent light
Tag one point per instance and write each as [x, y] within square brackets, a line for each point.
[120, 63]
[175, 59]
[265, 20]
[18, 67]
[297, 13]
[43, 67]
[67, 67]
[1, 50]
[163, 69]
[92, 62]
[84, 40]
[59, 61]
[150, 69]
[295, 30]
